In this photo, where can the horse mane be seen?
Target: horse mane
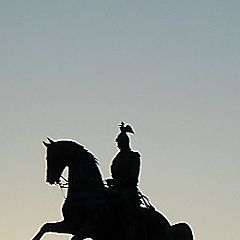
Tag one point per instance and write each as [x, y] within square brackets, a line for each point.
[89, 156]
[85, 156]
[75, 146]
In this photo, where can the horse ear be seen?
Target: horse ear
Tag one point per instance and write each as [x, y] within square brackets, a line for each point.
[46, 144]
[50, 140]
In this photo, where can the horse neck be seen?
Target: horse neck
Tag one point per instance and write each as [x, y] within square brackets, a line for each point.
[84, 174]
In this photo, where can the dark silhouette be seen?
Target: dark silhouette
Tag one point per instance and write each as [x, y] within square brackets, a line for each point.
[123, 185]
[92, 210]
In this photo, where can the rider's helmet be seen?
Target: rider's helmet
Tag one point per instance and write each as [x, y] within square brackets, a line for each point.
[122, 138]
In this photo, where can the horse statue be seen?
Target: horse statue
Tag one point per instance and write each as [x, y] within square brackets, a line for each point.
[87, 210]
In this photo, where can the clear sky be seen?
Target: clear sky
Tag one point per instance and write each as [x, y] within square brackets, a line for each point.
[75, 69]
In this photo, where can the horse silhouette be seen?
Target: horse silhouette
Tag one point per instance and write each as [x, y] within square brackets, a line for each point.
[88, 211]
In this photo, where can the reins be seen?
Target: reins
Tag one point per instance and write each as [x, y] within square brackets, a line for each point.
[63, 185]
[143, 198]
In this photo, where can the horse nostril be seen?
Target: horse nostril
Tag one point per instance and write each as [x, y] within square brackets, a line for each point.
[49, 180]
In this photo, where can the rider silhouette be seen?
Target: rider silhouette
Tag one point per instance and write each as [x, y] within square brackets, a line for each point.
[125, 169]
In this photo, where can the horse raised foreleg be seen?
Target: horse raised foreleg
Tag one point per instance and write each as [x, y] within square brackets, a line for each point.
[58, 227]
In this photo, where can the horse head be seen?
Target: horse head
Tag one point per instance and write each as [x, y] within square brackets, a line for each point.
[67, 153]
[56, 160]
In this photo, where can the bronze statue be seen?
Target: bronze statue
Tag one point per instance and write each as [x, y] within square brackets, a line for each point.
[125, 169]
[92, 210]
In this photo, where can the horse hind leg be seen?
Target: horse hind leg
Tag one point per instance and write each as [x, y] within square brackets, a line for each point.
[57, 227]
[182, 231]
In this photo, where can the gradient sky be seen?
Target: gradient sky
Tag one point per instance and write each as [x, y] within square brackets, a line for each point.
[75, 69]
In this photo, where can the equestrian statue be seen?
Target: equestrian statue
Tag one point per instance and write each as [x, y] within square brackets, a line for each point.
[116, 210]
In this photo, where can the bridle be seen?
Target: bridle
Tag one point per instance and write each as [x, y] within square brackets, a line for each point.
[63, 185]
[143, 198]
